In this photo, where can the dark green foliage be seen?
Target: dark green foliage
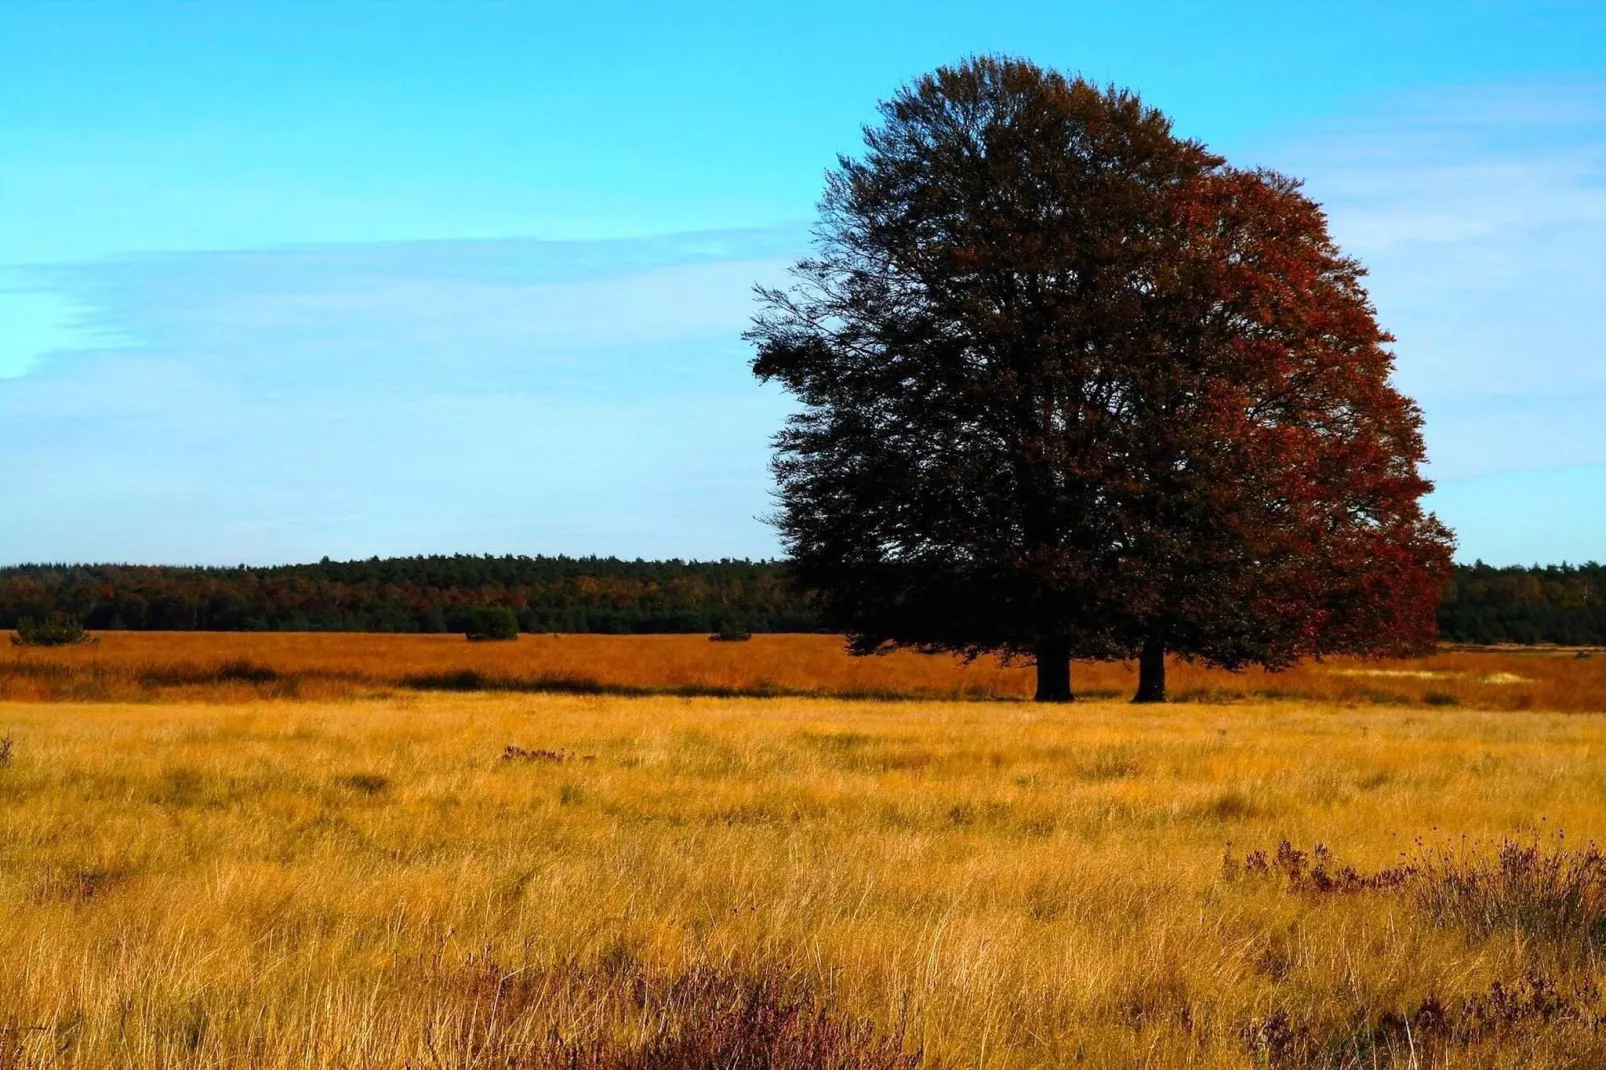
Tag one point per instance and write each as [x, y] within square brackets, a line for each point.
[58, 629]
[943, 481]
[1563, 604]
[493, 622]
[416, 594]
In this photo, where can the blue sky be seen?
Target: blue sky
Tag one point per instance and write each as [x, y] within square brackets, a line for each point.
[281, 280]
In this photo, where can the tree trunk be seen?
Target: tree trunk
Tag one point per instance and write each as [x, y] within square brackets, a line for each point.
[1053, 671]
[1151, 672]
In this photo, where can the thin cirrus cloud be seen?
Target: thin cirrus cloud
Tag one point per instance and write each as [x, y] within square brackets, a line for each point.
[543, 313]
[1481, 214]
[1481, 217]
[492, 395]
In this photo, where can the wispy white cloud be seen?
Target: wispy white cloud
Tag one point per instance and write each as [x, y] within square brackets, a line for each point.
[1481, 214]
[513, 395]
[39, 319]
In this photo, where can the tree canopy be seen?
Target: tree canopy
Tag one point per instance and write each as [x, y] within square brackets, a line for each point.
[1070, 385]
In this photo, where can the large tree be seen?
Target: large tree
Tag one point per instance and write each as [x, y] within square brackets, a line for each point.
[1070, 385]
[1271, 493]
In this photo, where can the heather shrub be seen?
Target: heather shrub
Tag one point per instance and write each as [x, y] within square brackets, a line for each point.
[1546, 892]
[1553, 893]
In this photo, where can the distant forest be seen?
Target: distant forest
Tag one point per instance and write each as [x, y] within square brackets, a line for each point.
[1542, 604]
[1551, 604]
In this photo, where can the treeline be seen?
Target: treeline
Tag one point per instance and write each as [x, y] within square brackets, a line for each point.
[1563, 604]
[1552, 604]
[414, 594]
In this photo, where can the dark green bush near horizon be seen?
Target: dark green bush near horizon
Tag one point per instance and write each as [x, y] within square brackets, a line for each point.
[493, 622]
[57, 629]
[1543, 604]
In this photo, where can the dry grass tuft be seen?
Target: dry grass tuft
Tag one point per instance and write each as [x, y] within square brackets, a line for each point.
[512, 753]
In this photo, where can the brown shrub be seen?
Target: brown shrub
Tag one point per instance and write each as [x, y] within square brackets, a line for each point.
[708, 1017]
[1556, 893]
[1429, 1032]
[512, 753]
[1551, 893]
[710, 1020]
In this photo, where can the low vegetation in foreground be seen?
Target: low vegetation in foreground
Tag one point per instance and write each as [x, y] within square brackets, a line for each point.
[522, 880]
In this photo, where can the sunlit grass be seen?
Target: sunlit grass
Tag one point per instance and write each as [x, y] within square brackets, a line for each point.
[385, 883]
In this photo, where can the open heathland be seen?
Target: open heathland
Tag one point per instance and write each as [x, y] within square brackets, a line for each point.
[243, 666]
[557, 880]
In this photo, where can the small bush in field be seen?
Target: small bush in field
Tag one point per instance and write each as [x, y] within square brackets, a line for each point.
[493, 623]
[364, 783]
[1432, 1032]
[56, 630]
[731, 633]
[512, 753]
[244, 670]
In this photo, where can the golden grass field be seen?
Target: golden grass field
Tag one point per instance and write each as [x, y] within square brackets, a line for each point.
[242, 666]
[323, 867]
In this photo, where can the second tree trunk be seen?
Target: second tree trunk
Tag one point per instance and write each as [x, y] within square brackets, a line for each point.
[1151, 672]
[1053, 671]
